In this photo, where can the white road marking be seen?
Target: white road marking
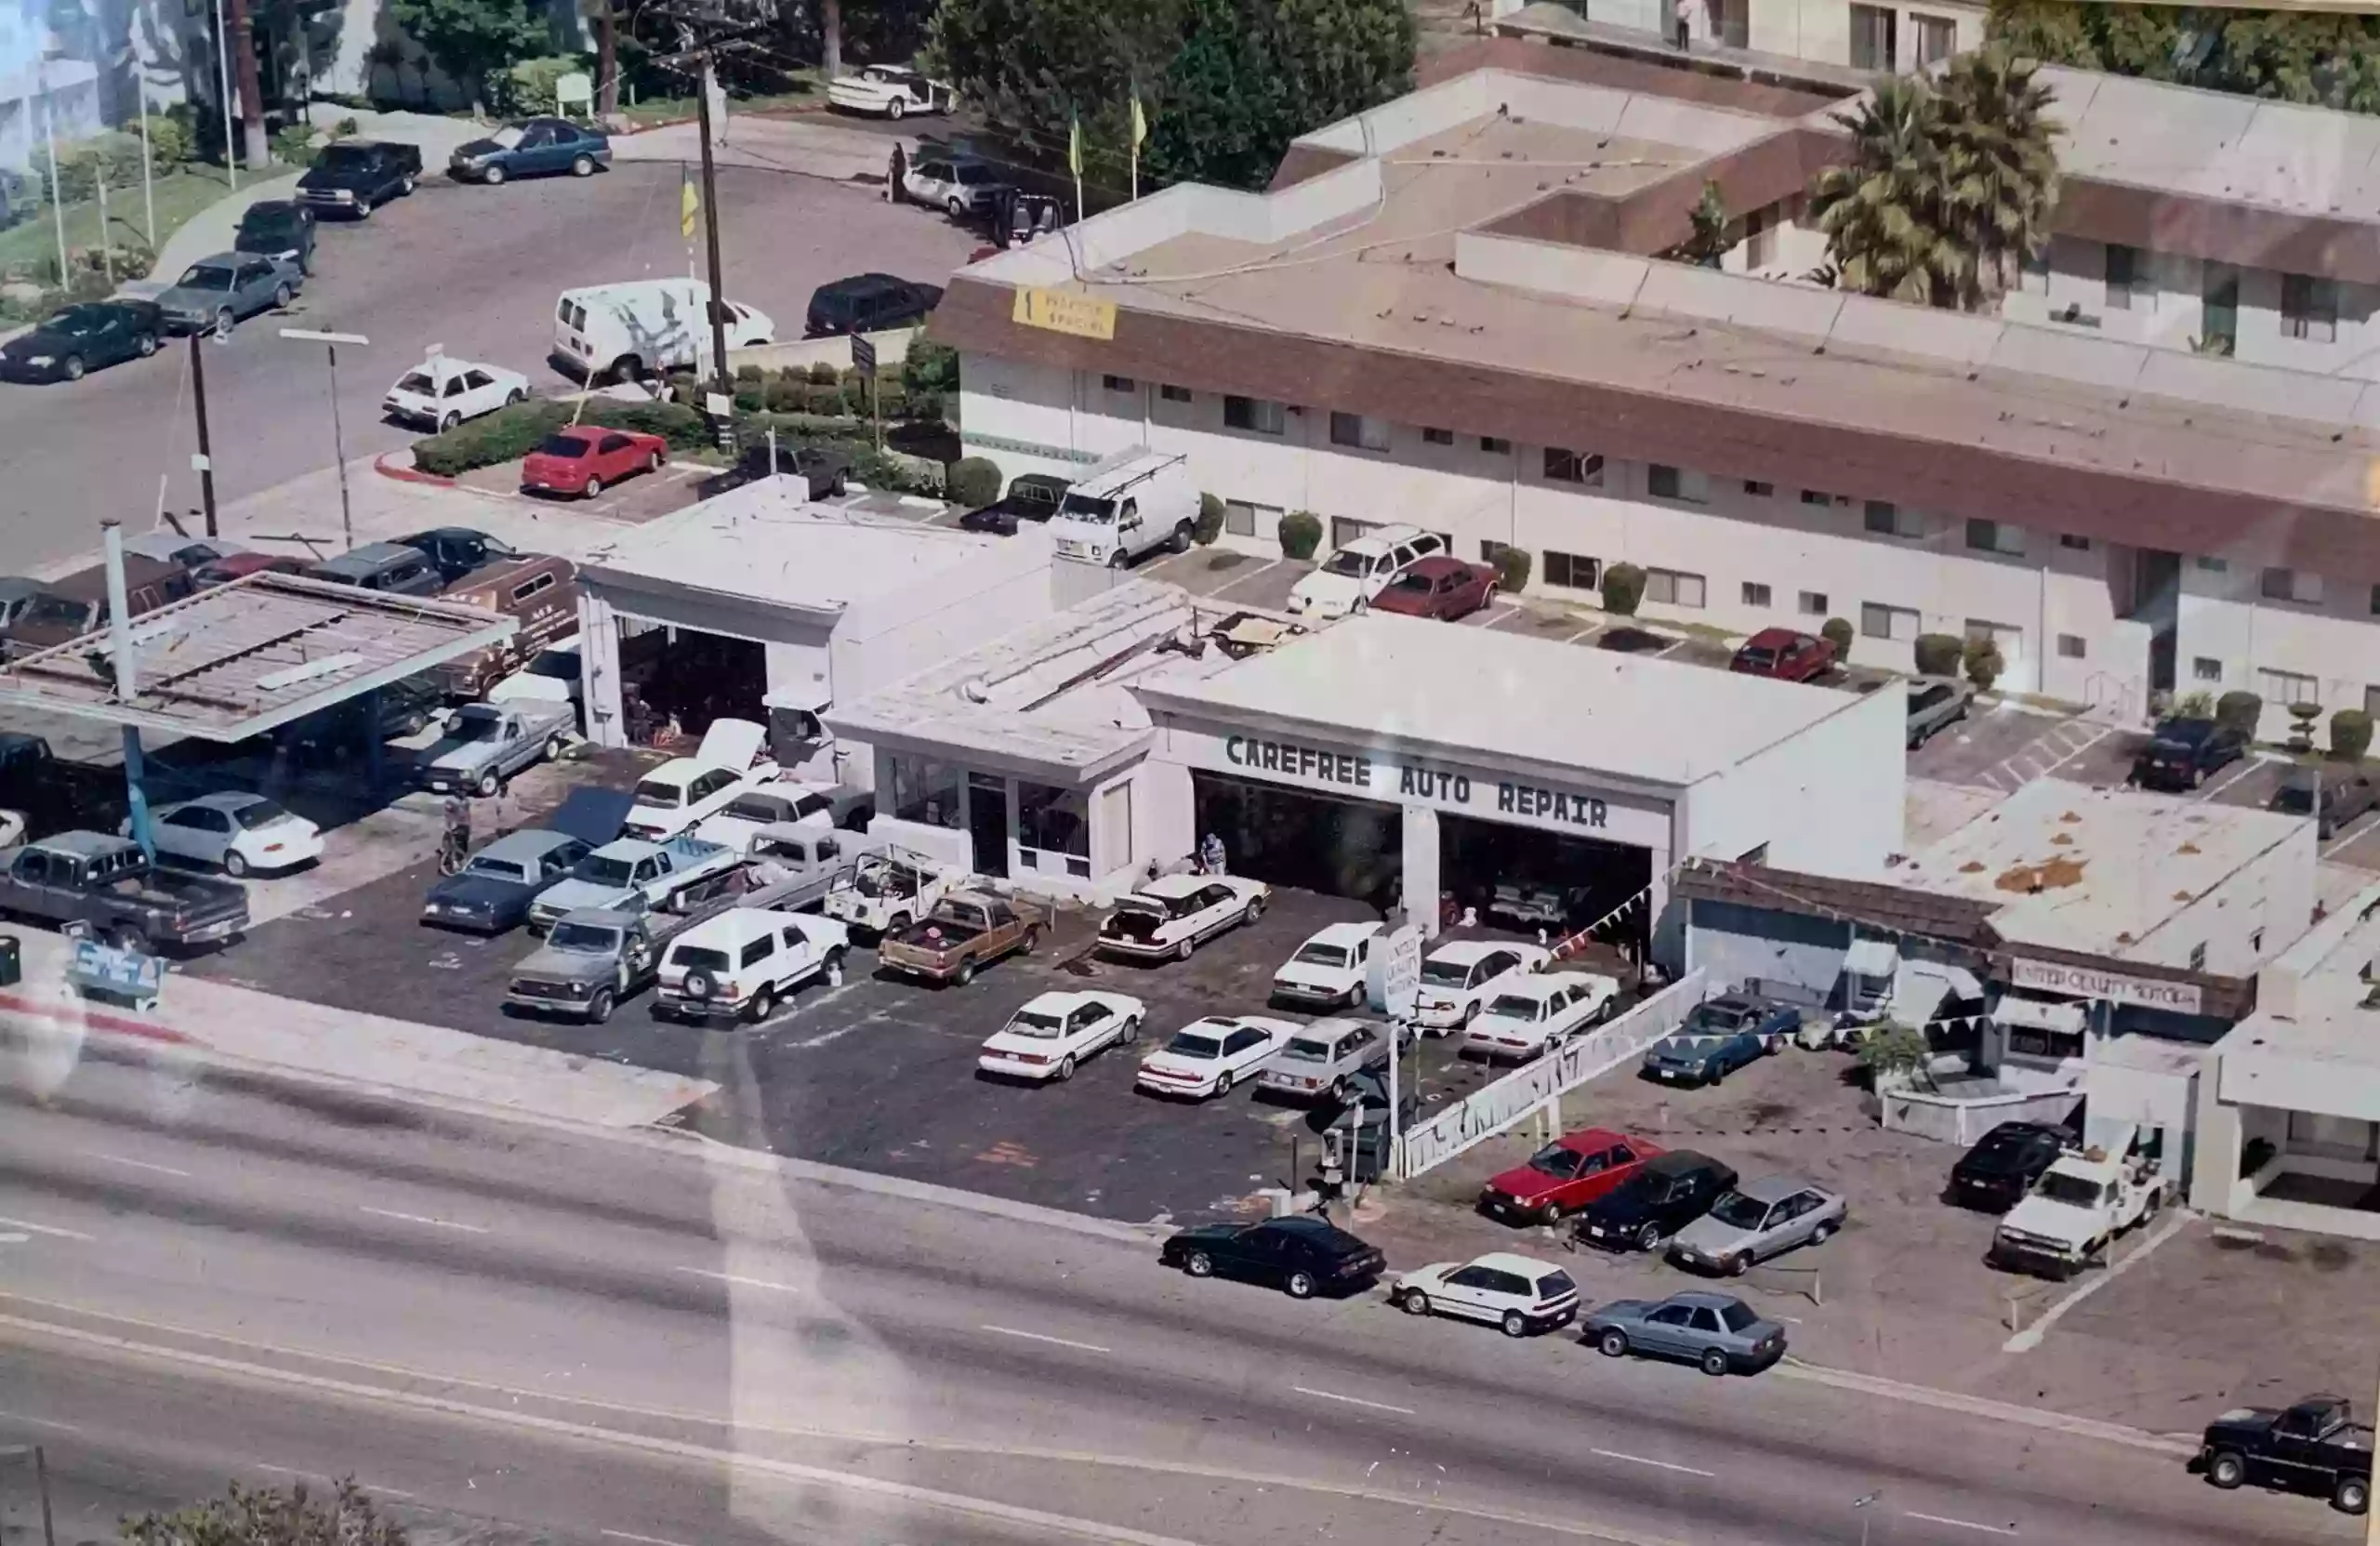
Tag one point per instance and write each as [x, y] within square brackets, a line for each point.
[44, 1229]
[1352, 1400]
[741, 1282]
[136, 1164]
[2343, 844]
[2247, 766]
[384, 1491]
[1956, 1524]
[2030, 1337]
[1657, 1465]
[45, 1422]
[424, 1219]
[640, 1539]
[1038, 1337]
[282, 1470]
[1242, 579]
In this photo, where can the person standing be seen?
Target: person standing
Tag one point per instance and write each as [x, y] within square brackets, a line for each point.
[893, 194]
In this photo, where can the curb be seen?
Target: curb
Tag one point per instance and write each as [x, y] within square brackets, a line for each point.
[407, 474]
[98, 1020]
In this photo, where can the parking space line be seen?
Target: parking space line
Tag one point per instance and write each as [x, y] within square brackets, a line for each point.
[136, 1164]
[739, 1281]
[1956, 1524]
[1038, 1337]
[1253, 574]
[640, 1539]
[1352, 1400]
[2247, 766]
[2030, 1337]
[43, 1229]
[1500, 622]
[2350, 839]
[426, 1219]
[1657, 1465]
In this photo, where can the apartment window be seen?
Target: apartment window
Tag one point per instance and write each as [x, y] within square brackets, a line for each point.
[1260, 414]
[1672, 587]
[1495, 445]
[1886, 519]
[1760, 238]
[2211, 565]
[1755, 594]
[2078, 543]
[1119, 383]
[2010, 640]
[1877, 621]
[2375, 600]
[1730, 23]
[1938, 38]
[2198, 956]
[1757, 489]
[1873, 35]
[2290, 584]
[2371, 702]
[2206, 667]
[1813, 603]
[1437, 437]
[1240, 518]
[2070, 646]
[2287, 687]
[1817, 497]
[1682, 484]
[1175, 394]
[2123, 271]
[1359, 431]
[1573, 466]
[1995, 536]
[1570, 569]
[2309, 308]
[2255, 939]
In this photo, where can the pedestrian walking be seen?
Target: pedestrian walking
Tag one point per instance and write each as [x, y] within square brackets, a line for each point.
[893, 181]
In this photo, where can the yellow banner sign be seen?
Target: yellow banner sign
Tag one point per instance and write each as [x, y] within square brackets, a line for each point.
[1080, 315]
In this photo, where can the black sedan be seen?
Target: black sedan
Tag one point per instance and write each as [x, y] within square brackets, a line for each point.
[2004, 1164]
[2181, 753]
[1668, 1192]
[82, 337]
[1302, 1255]
[822, 467]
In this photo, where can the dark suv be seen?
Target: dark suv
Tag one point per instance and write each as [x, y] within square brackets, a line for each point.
[2182, 752]
[354, 176]
[2335, 797]
[2004, 1164]
[278, 228]
[867, 303]
[820, 470]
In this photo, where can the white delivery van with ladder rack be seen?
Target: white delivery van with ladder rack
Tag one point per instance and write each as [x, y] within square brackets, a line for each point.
[1134, 502]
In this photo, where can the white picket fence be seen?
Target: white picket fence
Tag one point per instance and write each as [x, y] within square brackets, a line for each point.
[1491, 1111]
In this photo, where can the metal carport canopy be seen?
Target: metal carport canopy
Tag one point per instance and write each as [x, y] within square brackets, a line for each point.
[241, 659]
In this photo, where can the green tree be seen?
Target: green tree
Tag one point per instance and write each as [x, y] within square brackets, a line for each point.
[1707, 242]
[2000, 160]
[473, 39]
[2331, 60]
[1893, 1052]
[267, 1516]
[1883, 211]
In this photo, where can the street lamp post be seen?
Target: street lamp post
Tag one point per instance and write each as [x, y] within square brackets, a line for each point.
[1860, 1506]
[330, 342]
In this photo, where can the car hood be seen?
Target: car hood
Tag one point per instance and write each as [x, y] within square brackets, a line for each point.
[1307, 975]
[1681, 1054]
[2053, 1221]
[481, 891]
[572, 894]
[1714, 1235]
[191, 299]
[330, 176]
[1321, 590]
[455, 752]
[470, 149]
[566, 966]
[39, 342]
[1429, 1277]
[1522, 1184]
[1621, 1207]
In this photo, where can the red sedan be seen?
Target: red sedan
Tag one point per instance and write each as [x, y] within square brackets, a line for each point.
[1439, 587]
[584, 459]
[1784, 654]
[1564, 1176]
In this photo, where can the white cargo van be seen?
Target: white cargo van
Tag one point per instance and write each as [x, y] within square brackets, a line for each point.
[1135, 501]
[645, 326]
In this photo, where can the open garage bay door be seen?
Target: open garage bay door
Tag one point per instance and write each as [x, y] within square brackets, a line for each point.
[1523, 878]
[1351, 848]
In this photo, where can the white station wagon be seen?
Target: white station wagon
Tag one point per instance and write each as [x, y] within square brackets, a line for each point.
[1044, 1040]
[1537, 1014]
[1461, 978]
[1175, 913]
[1210, 1055]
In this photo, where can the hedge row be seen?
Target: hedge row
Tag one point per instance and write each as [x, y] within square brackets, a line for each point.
[509, 433]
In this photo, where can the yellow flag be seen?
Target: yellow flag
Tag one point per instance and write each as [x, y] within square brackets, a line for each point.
[1140, 123]
[1074, 146]
[690, 203]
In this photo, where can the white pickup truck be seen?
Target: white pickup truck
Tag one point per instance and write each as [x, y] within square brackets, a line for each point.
[2075, 1211]
[637, 876]
[885, 892]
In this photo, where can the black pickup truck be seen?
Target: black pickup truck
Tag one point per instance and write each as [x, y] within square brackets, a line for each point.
[2314, 1446]
[354, 176]
[90, 883]
[1031, 497]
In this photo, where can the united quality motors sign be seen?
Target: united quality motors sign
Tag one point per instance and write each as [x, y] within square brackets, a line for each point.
[2117, 987]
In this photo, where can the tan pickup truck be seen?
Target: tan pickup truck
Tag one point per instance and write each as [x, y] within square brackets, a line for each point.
[966, 929]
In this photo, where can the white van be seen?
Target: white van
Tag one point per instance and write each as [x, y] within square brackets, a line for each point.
[1133, 503]
[645, 326]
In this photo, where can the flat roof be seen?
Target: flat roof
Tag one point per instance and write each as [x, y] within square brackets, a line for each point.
[2095, 871]
[240, 659]
[767, 541]
[2313, 997]
[1484, 695]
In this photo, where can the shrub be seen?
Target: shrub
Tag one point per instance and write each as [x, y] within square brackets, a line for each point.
[1301, 534]
[1512, 566]
[1837, 631]
[1983, 663]
[783, 396]
[81, 165]
[749, 372]
[1210, 525]
[930, 367]
[169, 143]
[1938, 654]
[903, 474]
[2350, 734]
[825, 374]
[2199, 704]
[294, 146]
[346, 128]
[1623, 589]
[750, 397]
[827, 400]
[974, 482]
[927, 406]
[2240, 710]
[513, 432]
[528, 89]
[1895, 1053]
[2302, 716]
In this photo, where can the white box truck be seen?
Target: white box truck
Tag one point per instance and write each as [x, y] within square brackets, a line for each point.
[647, 326]
[1133, 503]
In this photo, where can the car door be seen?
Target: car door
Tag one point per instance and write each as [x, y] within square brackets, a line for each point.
[1089, 1027]
[1466, 1291]
[251, 288]
[1705, 1330]
[1213, 912]
[479, 393]
[198, 832]
[616, 454]
[1667, 1329]
[1245, 1051]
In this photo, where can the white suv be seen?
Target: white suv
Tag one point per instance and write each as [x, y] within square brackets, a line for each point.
[1352, 576]
[737, 964]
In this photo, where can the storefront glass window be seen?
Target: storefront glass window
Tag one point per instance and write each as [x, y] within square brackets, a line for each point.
[925, 790]
[1053, 830]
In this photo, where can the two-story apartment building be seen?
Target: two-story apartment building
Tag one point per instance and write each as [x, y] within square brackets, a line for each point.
[1450, 311]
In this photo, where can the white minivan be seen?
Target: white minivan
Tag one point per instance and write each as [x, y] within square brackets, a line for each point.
[1133, 503]
[647, 326]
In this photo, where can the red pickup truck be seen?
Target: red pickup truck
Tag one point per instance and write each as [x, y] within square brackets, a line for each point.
[1784, 654]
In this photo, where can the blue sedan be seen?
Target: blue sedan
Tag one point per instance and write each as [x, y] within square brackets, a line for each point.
[1716, 1332]
[1721, 1035]
[532, 148]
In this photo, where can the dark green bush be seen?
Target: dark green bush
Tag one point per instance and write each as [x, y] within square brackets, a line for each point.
[930, 367]
[510, 434]
[1983, 662]
[749, 372]
[974, 482]
[782, 396]
[1210, 525]
[2350, 734]
[1623, 589]
[825, 374]
[751, 397]
[1837, 631]
[1938, 654]
[1301, 534]
[877, 470]
[1513, 568]
[926, 406]
[2239, 709]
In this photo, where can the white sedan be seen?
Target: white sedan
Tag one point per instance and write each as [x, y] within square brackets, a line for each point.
[1537, 1014]
[1210, 1055]
[1044, 1040]
[1518, 1293]
[888, 91]
[678, 794]
[1175, 913]
[1462, 977]
[441, 392]
[241, 832]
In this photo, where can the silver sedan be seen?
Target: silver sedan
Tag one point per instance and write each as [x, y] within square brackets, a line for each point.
[218, 292]
[1756, 1221]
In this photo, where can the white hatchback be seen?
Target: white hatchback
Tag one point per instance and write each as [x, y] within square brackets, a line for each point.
[1210, 1055]
[1461, 978]
[441, 392]
[1539, 1012]
[1049, 1036]
[1518, 1293]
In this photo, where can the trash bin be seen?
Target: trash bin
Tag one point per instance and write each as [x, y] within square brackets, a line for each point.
[12, 960]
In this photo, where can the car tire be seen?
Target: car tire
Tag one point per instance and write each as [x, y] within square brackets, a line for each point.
[1180, 542]
[74, 367]
[1355, 996]
[964, 975]
[897, 923]
[1613, 1343]
[1130, 1035]
[1514, 1324]
[1649, 1238]
[1182, 952]
[1551, 1214]
[1223, 1084]
[553, 749]
[835, 488]
[515, 395]
[1198, 1264]
[1337, 1093]
[145, 344]
[2352, 1495]
[764, 998]
[1254, 911]
[1820, 1233]
[2227, 1469]
[449, 420]
[235, 863]
[1713, 1362]
[224, 322]
[1032, 941]
[1740, 1263]
[957, 208]
[594, 489]
[1413, 1301]
[598, 1006]
[628, 369]
[282, 296]
[896, 110]
[363, 208]
[1299, 1285]
[1119, 559]
[652, 463]
[487, 786]
[833, 974]
[582, 167]
[1065, 1068]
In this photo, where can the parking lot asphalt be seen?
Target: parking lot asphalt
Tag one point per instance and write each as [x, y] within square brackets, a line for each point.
[1225, 575]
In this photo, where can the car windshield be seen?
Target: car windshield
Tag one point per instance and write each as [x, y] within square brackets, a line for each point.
[660, 792]
[1737, 1317]
[1084, 506]
[1556, 1162]
[499, 869]
[699, 958]
[1193, 1044]
[58, 612]
[259, 813]
[343, 155]
[1513, 1006]
[1738, 1211]
[1037, 1023]
[205, 276]
[1304, 1048]
[2081, 1191]
[2296, 798]
[1322, 954]
[418, 381]
[584, 939]
[506, 136]
[1759, 658]
[1445, 973]
[605, 870]
[475, 727]
[1353, 565]
[1719, 1017]
[76, 320]
[568, 447]
[760, 808]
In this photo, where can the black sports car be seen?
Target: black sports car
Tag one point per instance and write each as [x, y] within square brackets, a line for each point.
[82, 337]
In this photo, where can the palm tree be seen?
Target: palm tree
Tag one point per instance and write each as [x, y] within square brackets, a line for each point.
[1884, 213]
[1999, 161]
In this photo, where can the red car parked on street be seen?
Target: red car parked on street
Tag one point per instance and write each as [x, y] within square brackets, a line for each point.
[1786, 656]
[583, 459]
[1564, 1176]
[1441, 587]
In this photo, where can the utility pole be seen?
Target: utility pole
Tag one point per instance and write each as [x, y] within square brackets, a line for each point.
[223, 84]
[722, 426]
[57, 194]
[243, 38]
[203, 459]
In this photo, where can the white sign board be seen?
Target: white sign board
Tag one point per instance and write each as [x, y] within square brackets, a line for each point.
[1394, 973]
[2116, 987]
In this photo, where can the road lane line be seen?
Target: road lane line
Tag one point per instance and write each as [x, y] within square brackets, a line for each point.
[1657, 1465]
[378, 1491]
[2247, 766]
[640, 1539]
[1956, 1524]
[1038, 1337]
[1352, 1400]
[137, 1164]
[41, 1423]
[2030, 1337]
[424, 1219]
[43, 1229]
[741, 1282]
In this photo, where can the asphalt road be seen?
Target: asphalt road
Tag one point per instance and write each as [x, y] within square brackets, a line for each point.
[585, 1340]
[473, 269]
